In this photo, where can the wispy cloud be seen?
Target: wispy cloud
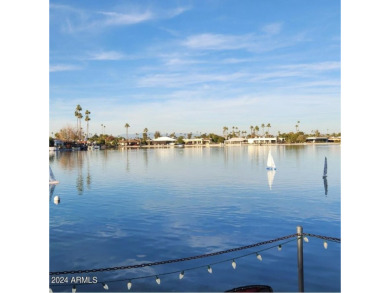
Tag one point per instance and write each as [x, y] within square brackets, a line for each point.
[176, 80]
[319, 66]
[216, 42]
[79, 20]
[64, 67]
[251, 42]
[272, 28]
[114, 18]
[109, 55]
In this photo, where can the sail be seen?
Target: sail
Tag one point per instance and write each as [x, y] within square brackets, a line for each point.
[52, 179]
[270, 161]
[271, 176]
[325, 168]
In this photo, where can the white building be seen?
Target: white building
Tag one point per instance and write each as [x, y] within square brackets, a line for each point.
[264, 140]
[163, 140]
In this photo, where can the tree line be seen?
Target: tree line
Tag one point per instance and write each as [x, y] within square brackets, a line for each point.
[76, 134]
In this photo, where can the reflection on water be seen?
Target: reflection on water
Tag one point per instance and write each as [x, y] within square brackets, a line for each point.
[51, 190]
[326, 185]
[146, 205]
[270, 175]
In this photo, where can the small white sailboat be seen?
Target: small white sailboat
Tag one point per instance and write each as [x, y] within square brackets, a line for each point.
[325, 169]
[52, 179]
[270, 162]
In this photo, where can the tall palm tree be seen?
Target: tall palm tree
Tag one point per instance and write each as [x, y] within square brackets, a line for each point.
[225, 129]
[77, 114]
[268, 126]
[127, 130]
[145, 135]
[257, 128]
[87, 119]
[251, 129]
[262, 126]
[80, 116]
[296, 128]
[298, 125]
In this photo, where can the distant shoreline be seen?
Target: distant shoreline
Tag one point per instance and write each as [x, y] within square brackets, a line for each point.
[233, 145]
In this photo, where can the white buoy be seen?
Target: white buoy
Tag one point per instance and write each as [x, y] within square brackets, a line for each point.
[56, 199]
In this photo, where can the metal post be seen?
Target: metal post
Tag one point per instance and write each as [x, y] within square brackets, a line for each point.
[300, 258]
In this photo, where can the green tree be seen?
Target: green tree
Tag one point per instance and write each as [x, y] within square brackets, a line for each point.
[127, 130]
[251, 127]
[87, 119]
[225, 130]
[145, 135]
[78, 115]
[157, 134]
[268, 126]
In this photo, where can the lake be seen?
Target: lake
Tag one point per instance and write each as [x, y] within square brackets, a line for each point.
[128, 207]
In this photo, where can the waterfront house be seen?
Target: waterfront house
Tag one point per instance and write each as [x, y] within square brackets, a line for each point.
[130, 142]
[264, 140]
[235, 140]
[314, 139]
[194, 141]
[163, 140]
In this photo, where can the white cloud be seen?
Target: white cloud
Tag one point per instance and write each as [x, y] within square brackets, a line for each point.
[64, 67]
[77, 20]
[250, 42]
[114, 18]
[109, 55]
[319, 66]
[272, 28]
[216, 42]
[180, 79]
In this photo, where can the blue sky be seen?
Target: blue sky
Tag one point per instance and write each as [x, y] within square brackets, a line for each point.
[195, 66]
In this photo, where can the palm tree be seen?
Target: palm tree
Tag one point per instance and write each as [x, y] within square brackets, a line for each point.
[127, 130]
[77, 114]
[251, 129]
[80, 116]
[262, 126]
[298, 125]
[257, 128]
[87, 119]
[296, 128]
[268, 126]
[225, 129]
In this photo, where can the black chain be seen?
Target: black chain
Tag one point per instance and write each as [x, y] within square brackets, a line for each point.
[334, 239]
[174, 260]
[323, 237]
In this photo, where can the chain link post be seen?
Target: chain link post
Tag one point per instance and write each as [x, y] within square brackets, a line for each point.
[300, 258]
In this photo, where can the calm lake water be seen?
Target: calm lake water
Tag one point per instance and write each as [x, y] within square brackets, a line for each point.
[127, 207]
